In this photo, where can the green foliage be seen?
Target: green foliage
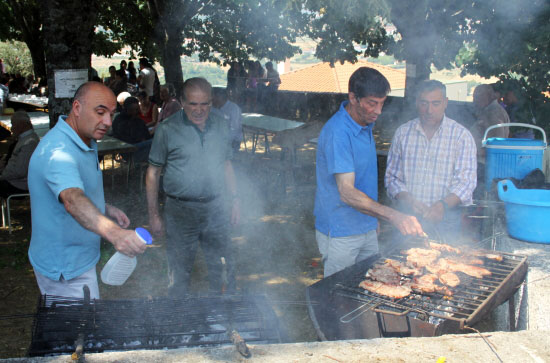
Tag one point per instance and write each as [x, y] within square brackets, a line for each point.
[17, 57]
[213, 74]
[339, 26]
[512, 41]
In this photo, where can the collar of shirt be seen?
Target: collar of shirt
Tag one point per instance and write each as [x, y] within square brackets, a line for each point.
[64, 127]
[350, 122]
[418, 126]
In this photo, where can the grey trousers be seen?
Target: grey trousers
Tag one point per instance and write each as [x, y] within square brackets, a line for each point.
[189, 224]
[341, 252]
[69, 288]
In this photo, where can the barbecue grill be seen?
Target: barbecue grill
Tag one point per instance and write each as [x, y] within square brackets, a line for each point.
[350, 312]
[63, 325]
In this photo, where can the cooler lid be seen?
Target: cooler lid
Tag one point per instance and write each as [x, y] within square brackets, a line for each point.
[515, 143]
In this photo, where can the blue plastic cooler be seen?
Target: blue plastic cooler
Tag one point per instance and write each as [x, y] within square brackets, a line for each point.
[512, 158]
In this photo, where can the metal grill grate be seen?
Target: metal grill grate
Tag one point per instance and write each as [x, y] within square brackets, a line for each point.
[150, 324]
[465, 305]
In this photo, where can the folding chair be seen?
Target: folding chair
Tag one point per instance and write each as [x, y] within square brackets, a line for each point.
[6, 217]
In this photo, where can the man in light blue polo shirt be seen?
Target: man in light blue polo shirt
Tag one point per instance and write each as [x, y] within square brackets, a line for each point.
[69, 214]
[346, 207]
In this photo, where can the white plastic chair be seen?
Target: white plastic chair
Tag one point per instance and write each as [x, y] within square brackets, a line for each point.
[6, 217]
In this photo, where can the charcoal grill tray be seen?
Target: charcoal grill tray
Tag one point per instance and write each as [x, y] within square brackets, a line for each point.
[150, 324]
[341, 288]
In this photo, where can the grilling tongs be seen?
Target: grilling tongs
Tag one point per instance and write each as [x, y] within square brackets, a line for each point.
[234, 336]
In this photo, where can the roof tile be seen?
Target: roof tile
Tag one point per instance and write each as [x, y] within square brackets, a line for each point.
[323, 78]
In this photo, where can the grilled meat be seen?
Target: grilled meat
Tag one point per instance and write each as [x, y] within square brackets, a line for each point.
[441, 247]
[421, 257]
[444, 265]
[392, 291]
[402, 268]
[385, 274]
[449, 279]
[487, 255]
[426, 284]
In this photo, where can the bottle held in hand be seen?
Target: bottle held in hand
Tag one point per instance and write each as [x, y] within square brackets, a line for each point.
[120, 267]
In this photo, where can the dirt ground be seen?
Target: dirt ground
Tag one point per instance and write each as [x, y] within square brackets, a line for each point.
[275, 242]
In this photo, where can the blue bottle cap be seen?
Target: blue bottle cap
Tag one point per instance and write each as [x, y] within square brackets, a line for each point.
[144, 235]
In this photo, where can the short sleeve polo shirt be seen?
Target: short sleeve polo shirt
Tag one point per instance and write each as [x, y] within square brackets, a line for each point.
[193, 160]
[60, 246]
[344, 147]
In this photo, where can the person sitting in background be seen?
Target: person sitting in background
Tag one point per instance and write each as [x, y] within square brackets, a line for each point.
[111, 78]
[17, 84]
[120, 83]
[231, 112]
[170, 105]
[148, 110]
[122, 96]
[129, 127]
[14, 167]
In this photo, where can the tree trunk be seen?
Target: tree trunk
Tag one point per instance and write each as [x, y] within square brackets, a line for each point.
[171, 59]
[38, 58]
[68, 32]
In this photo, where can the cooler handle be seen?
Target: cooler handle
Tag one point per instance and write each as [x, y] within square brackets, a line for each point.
[513, 124]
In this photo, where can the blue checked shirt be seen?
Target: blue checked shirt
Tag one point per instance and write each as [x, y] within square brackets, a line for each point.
[432, 169]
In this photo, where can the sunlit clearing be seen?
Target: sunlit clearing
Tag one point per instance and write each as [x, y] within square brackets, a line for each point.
[276, 218]
[277, 281]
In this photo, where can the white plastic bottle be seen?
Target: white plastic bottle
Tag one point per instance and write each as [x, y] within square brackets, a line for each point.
[119, 267]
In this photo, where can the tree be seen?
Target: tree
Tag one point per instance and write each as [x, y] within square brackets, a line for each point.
[17, 58]
[218, 31]
[428, 32]
[68, 31]
[21, 20]
[512, 41]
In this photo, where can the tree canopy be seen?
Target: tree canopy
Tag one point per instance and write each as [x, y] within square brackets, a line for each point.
[501, 38]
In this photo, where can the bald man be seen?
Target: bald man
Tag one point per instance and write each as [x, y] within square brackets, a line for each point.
[69, 213]
[489, 113]
[13, 173]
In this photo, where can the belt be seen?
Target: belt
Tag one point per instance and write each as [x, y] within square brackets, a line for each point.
[194, 199]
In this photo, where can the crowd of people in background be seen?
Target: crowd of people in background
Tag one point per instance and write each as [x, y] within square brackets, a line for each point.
[253, 86]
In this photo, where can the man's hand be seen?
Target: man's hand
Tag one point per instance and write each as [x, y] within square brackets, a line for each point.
[407, 225]
[435, 212]
[127, 242]
[417, 207]
[236, 212]
[156, 225]
[119, 216]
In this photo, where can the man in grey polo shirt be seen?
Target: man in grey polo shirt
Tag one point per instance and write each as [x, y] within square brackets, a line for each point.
[193, 147]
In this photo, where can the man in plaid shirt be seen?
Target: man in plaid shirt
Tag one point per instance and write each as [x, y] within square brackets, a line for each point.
[432, 164]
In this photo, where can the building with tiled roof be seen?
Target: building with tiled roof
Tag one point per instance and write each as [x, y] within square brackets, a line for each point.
[323, 78]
